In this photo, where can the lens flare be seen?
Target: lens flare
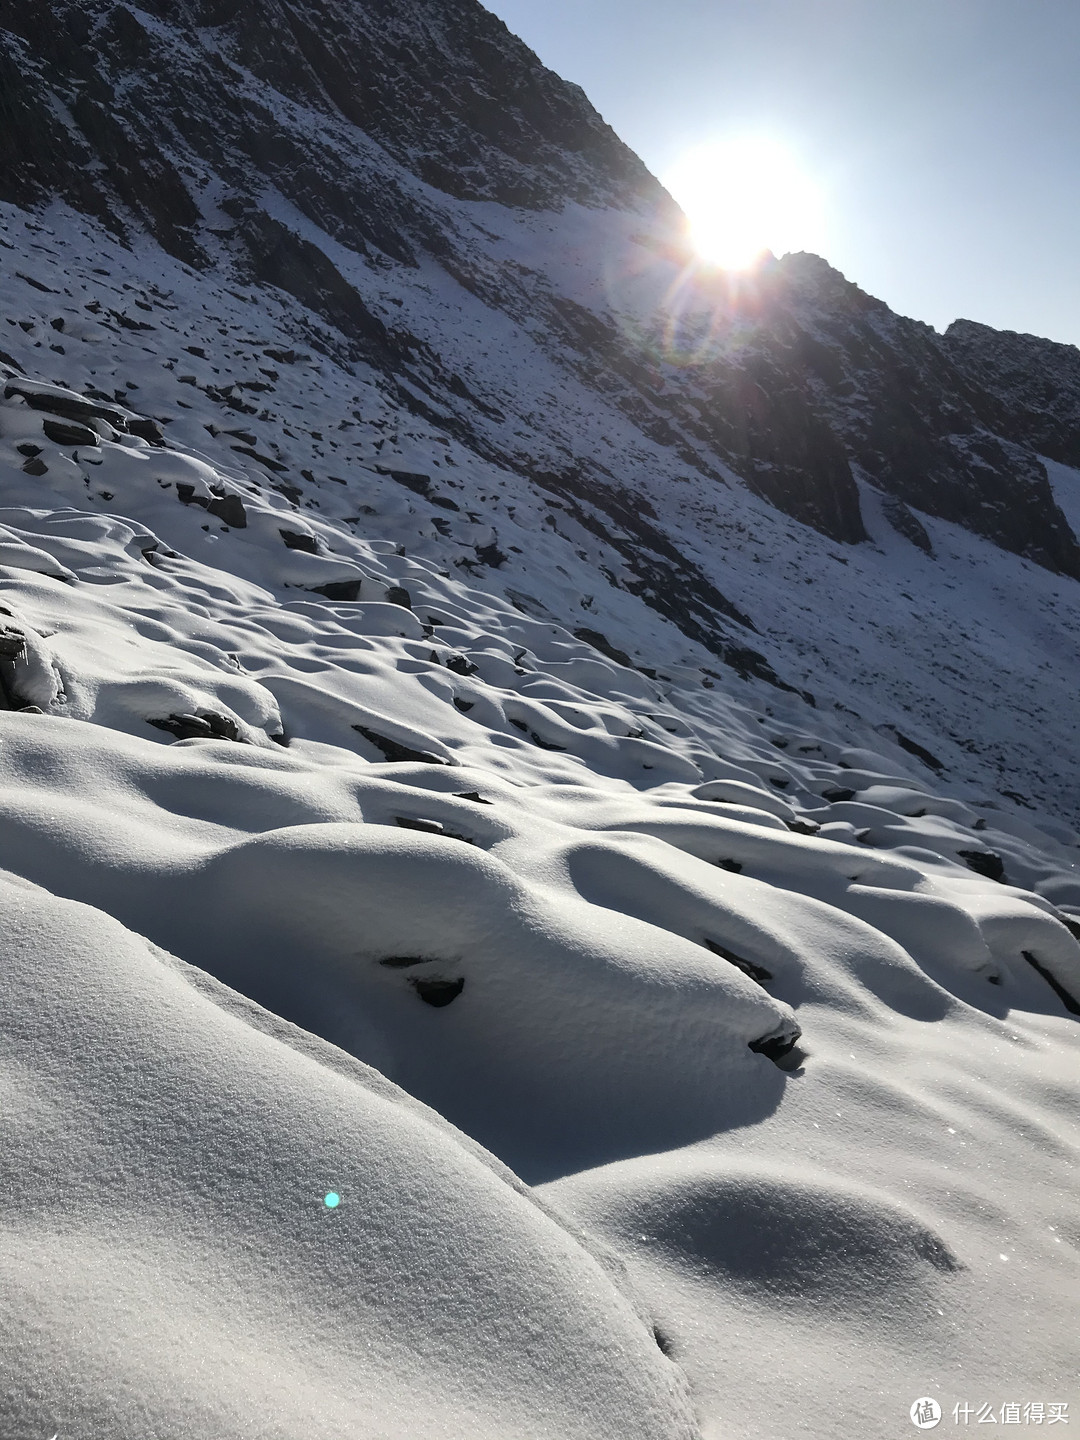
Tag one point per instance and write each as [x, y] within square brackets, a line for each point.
[675, 310]
[744, 197]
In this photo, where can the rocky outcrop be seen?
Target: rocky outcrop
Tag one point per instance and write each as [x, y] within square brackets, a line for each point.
[1023, 388]
[917, 423]
[443, 88]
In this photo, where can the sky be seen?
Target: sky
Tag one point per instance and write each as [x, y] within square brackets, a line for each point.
[942, 137]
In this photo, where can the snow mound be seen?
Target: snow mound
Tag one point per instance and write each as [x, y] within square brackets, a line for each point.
[170, 1261]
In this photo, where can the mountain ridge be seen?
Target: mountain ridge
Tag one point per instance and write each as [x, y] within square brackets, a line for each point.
[789, 401]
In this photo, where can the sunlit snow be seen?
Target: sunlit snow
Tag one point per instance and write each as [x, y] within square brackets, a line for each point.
[417, 1021]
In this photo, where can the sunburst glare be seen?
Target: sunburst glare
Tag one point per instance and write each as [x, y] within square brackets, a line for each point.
[746, 195]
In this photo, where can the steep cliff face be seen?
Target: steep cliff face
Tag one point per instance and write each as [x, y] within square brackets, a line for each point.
[313, 98]
[1024, 388]
[352, 154]
[916, 419]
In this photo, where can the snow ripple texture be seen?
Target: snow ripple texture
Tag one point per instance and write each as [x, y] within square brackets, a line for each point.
[684, 1064]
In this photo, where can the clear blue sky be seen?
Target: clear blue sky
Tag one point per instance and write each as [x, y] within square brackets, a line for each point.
[948, 131]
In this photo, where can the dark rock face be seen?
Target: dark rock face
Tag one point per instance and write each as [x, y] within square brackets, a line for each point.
[372, 121]
[984, 862]
[905, 522]
[492, 124]
[1023, 388]
[760, 413]
[914, 421]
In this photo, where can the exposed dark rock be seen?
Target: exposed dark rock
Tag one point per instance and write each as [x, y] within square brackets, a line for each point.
[837, 795]
[280, 257]
[12, 649]
[71, 407]
[418, 484]
[600, 642]
[490, 555]
[1019, 799]
[65, 433]
[265, 460]
[124, 113]
[227, 508]
[533, 736]
[775, 1047]
[339, 589]
[913, 748]
[892, 393]
[906, 523]
[395, 751]
[757, 973]
[146, 429]
[295, 540]
[37, 285]
[766, 422]
[1070, 1001]
[230, 510]
[984, 862]
[666, 580]
[208, 726]
[1023, 388]
[398, 595]
[12, 644]
[285, 357]
[438, 992]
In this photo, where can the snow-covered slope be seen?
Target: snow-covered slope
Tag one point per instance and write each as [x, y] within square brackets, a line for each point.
[541, 893]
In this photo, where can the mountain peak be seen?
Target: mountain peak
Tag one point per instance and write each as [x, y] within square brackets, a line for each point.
[444, 89]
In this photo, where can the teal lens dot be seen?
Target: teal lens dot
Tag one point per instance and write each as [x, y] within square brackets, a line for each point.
[331, 1199]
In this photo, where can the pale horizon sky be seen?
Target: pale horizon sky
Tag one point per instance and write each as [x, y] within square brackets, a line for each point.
[944, 134]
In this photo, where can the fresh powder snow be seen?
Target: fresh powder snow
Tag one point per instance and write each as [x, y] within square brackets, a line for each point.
[442, 995]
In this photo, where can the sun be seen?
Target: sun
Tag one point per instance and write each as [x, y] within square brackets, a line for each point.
[744, 196]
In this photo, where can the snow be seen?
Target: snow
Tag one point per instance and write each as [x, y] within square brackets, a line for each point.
[1066, 486]
[688, 1060]
[169, 1265]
